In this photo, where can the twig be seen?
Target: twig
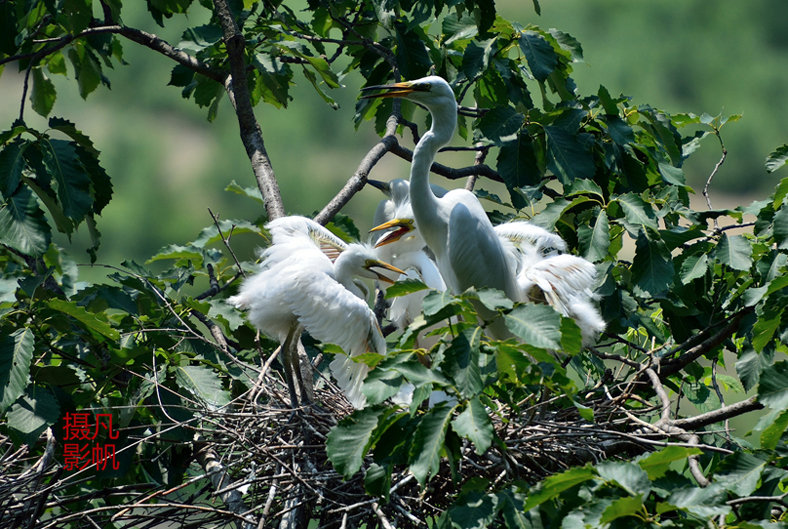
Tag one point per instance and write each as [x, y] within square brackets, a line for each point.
[714, 172]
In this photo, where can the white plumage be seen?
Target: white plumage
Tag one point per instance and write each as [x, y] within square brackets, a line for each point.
[544, 272]
[300, 286]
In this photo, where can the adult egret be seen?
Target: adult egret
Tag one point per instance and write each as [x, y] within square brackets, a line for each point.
[408, 250]
[545, 272]
[300, 287]
[454, 226]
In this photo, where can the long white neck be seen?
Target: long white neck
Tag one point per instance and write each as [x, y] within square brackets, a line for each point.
[424, 202]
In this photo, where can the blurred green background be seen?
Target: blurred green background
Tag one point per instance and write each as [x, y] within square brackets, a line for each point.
[169, 165]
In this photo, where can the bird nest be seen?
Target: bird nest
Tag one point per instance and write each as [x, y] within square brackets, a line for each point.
[260, 463]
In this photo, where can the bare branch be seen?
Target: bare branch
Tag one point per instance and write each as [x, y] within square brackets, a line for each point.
[726, 412]
[251, 135]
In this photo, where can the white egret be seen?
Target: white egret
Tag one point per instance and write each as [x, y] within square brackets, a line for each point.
[545, 272]
[299, 287]
[454, 226]
[407, 250]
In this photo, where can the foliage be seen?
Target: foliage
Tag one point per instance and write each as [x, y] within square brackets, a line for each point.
[591, 437]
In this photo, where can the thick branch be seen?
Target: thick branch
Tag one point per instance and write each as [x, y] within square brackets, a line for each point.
[726, 412]
[251, 135]
[450, 172]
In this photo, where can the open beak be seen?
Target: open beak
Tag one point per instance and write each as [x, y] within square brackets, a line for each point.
[401, 228]
[370, 265]
[393, 90]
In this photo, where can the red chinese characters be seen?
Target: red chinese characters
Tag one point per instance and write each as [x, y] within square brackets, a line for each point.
[81, 449]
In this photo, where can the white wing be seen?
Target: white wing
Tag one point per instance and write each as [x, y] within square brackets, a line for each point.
[566, 282]
[296, 228]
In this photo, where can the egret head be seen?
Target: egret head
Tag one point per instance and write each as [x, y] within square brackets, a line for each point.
[363, 261]
[432, 91]
[399, 227]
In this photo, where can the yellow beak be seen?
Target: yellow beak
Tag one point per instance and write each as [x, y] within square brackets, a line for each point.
[392, 90]
[403, 227]
[382, 264]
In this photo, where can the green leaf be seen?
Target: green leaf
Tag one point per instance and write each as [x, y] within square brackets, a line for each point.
[637, 213]
[511, 506]
[556, 484]
[250, 192]
[16, 353]
[542, 58]
[749, 367]
[475, 425]
[704, 502]
[228, 227]
[773, 386]
[777, 158]
[734, 251]
[12, 162]
[501, 124]
[404, 287]
[73, 190]
[43, 94]
[657, 463]
[771, 435]
[203, 383]
[629, 476]
[428, 441]
[740, 473]
[23, 225]
[69, 129]
[90, 320]
[537, 325]
[652, 267]
[518, 166]
[599, 242]
[347, 442]
[461, 362]
[494, 299]
[626, 506]
[31, 415]
[780, 228]
[693, 267]
[569, 154]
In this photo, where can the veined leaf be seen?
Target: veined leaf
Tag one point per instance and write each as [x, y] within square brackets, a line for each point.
[652, 267]
[427, 445]
[569, 154]
[203, 383]
[404, 287]
[556, 484]
[749, 367]
[461, 362]
[599, 242]
[740, 473]
[475, 425]
[777, 158]
[537, 325]
[73, 185]
[12, 162]
[773, 386]
[541, 57]
[780, 228]
[89, 319]
[657, 463]
[629, 476]
[16, 353]
[704, 502]
[501, 124]
[347, 442]
[771, 435]
[637, 213]
[693, 267]
[31, 415]
[23, 225]
[43, 94]
[734, 251]
[251, 192]
[626, 506]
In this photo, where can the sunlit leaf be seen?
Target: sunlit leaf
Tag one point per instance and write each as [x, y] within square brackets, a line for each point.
[204, 383]
[427, 445]
[537, 325]
[90, 320]
[777, 158]
[474, 424]
[657, 463]
[347, 442]
[773, 386]
[556, 484]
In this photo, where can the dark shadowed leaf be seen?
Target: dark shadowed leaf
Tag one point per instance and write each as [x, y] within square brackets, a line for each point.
[347, 442]
[428, 442]
[23, 225]
[652, 267]
[537, 325]
[556, 484]
[43, 94]
[16, 352]
[474, 424]
[569, 154]
[773, 386]
[32, 414]
[540, 55]
[734, 251]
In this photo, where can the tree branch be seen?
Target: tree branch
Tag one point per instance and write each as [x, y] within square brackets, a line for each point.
[251, 135]
[359, 179]
[726, 412]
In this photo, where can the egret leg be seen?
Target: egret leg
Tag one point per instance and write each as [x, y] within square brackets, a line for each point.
[290, 361]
